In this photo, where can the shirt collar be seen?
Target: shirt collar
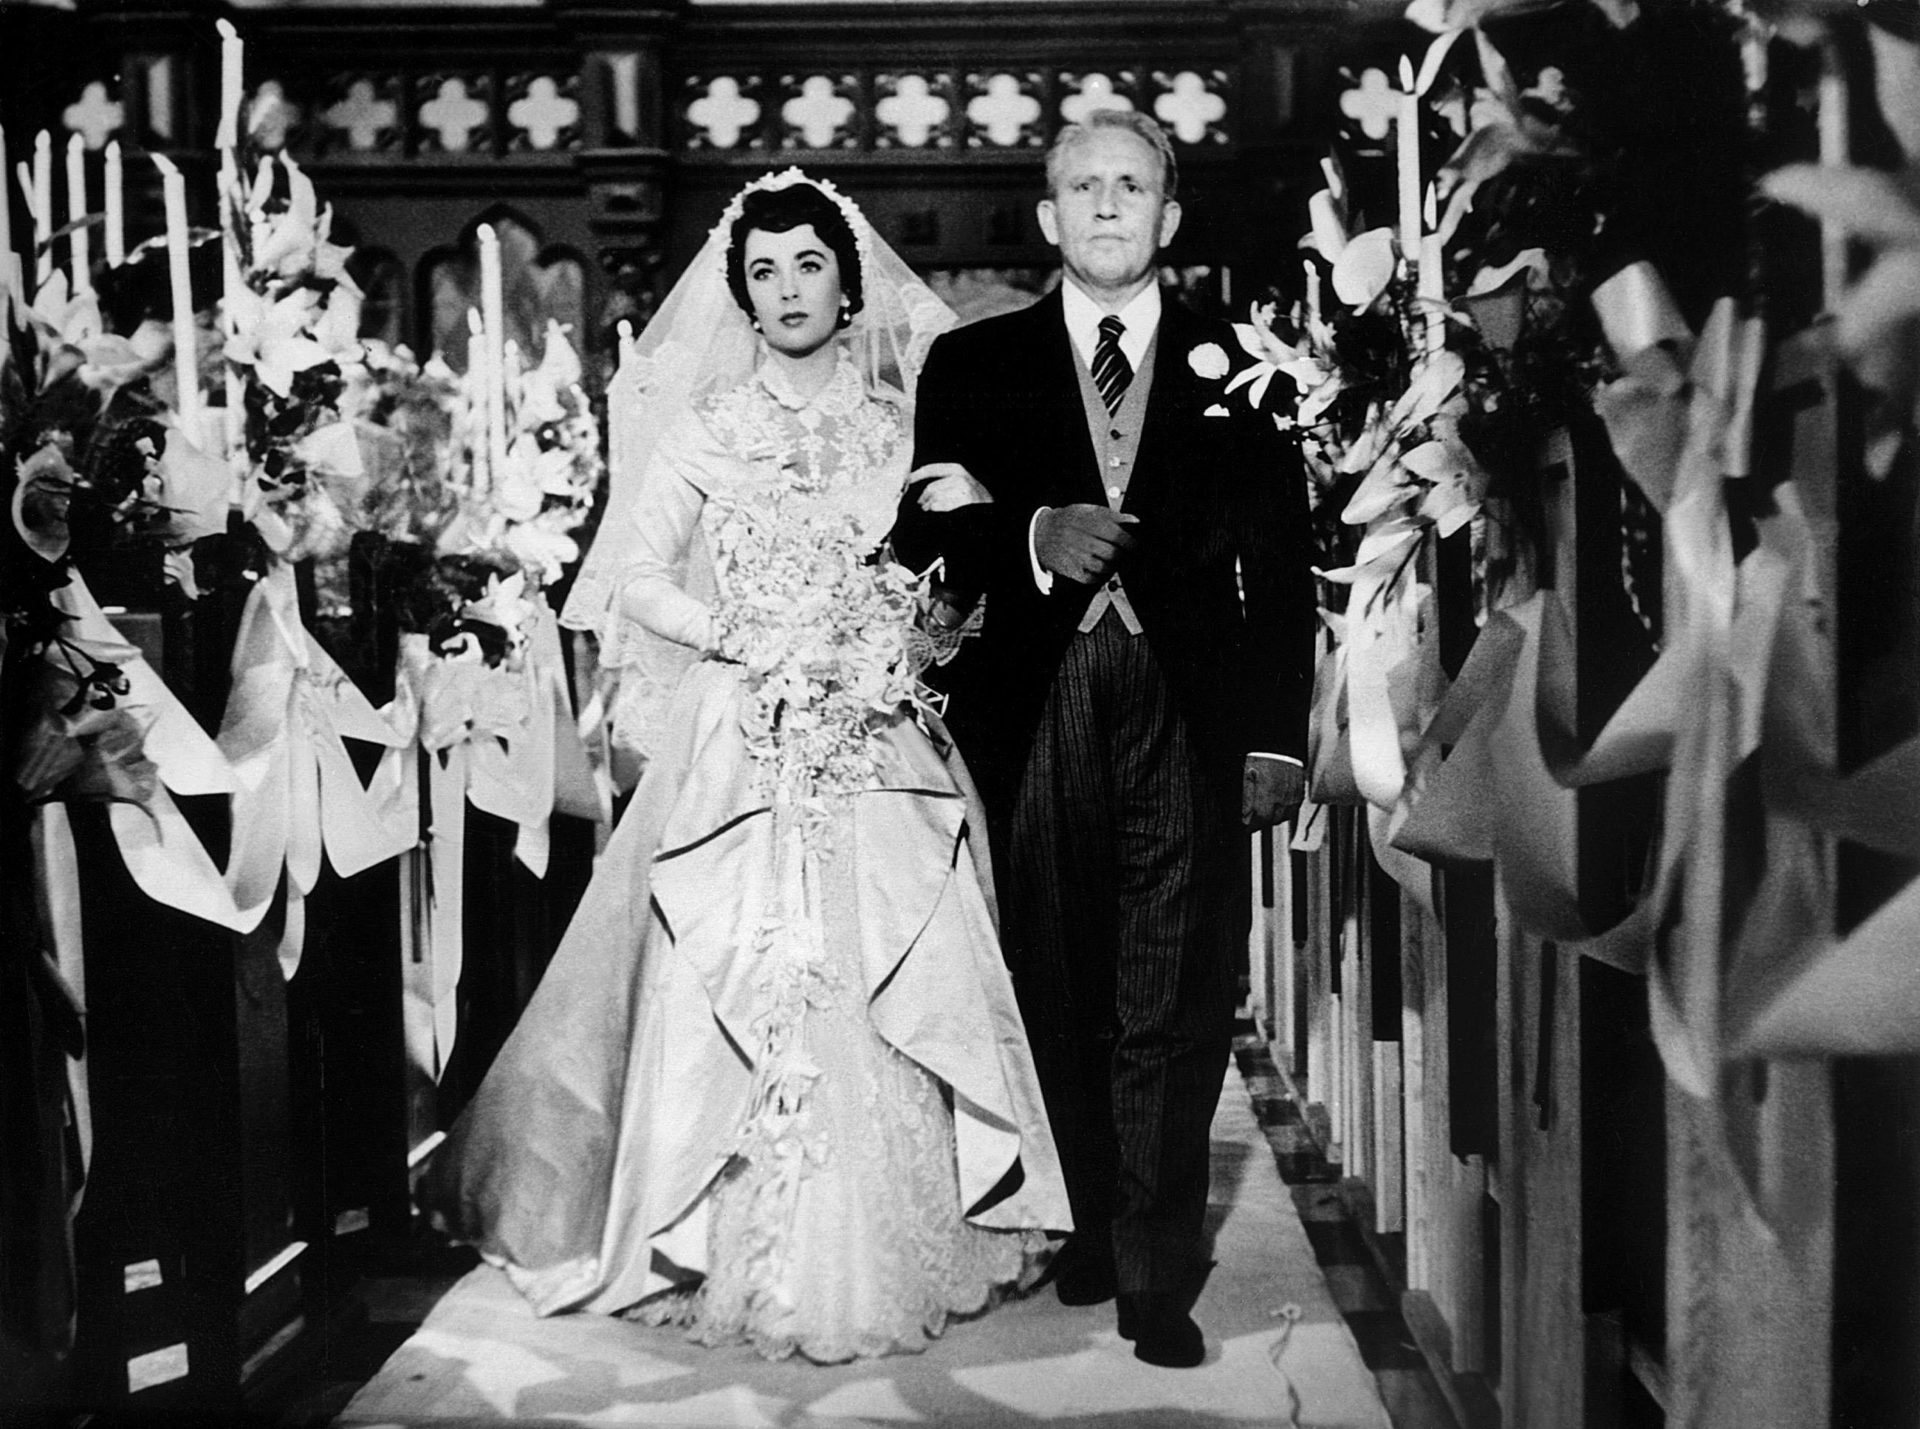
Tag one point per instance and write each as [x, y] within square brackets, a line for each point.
[1083, 314]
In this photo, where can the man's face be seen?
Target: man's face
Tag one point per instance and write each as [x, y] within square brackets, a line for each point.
[1109, 216]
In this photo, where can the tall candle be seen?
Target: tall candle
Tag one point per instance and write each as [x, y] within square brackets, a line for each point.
[477, 475]
[9, 274]
[79, 245]
[493, 323]
[1835, 149]
[1407, 148]
[186, 371]
[42, 208]
[1432, 287]
[231, 283]
[116, 228]
[232, 60]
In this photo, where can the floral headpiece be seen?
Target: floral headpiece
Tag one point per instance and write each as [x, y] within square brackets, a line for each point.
[786, 179]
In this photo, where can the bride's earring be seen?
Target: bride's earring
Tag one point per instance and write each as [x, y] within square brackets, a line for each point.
[846, 312]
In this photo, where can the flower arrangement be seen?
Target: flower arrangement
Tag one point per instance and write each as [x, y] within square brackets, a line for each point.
[292, 317]
[822, 638]
[473, 552]
[1416, 414]
[525, 512]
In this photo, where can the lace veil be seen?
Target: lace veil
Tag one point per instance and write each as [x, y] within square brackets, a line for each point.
[700, 342]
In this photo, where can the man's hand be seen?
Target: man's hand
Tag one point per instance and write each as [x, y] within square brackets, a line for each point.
[1083, 541]
[1271, 791]
[948, 486]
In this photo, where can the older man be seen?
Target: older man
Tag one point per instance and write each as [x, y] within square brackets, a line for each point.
[1136, 697]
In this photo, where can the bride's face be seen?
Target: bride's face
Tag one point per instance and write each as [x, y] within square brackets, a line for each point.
[793, 280]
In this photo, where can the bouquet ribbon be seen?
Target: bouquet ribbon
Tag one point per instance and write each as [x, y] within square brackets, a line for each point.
[289, 712]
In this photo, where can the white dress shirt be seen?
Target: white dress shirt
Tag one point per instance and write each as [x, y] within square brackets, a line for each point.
[1141, 317]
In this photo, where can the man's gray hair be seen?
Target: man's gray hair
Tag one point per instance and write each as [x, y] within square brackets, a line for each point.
[1149, 131]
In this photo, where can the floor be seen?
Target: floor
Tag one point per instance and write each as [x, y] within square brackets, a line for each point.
[1301, 1331]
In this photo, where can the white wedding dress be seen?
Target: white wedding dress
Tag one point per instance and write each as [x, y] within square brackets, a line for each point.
[774, 1086]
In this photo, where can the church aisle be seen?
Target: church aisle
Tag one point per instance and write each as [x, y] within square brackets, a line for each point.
[1279, 1352]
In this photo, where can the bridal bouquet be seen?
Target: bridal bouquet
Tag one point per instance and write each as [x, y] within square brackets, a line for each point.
[821, 634]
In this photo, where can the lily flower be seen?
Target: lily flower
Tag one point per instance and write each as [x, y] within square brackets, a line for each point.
[273, 337]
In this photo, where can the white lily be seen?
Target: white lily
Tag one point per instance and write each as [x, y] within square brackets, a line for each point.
[274, 337]
[1364, 268]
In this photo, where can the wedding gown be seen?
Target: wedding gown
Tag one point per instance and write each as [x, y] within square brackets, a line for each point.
[773, 1085]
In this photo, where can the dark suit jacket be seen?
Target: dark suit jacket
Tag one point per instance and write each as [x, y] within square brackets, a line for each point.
[1002, 398]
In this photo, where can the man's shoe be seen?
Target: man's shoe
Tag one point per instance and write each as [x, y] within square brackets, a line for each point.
[1083, 1273]
[1162, 1333]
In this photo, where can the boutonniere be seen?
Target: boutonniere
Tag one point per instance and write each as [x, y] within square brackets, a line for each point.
[1209, 361]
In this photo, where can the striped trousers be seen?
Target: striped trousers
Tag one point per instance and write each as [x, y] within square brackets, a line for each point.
[1122, 910]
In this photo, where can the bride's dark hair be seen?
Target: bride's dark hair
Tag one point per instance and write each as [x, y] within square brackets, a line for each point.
[780, 211]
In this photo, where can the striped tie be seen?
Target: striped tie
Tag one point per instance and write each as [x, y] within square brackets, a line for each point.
[1111, 370]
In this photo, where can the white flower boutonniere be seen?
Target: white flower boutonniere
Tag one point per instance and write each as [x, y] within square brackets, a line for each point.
[1209, 361]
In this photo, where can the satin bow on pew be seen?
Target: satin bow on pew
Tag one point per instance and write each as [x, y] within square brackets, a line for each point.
[504, 740]
[163, 854]
[290, 709]
[1492, 774]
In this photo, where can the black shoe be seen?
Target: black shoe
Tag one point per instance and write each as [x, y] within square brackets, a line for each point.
[1083, 1273]
[1162, 1333]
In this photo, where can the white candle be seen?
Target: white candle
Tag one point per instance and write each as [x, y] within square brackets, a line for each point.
[1313, 290]
[186, 371]
[79, 245]
[1433, 295]
[232, 60]
[1406, 131]
[1835, 147]
[477, 475]
[493, 323]
[231, 283]
[42, 208]
[116, 230]
[9, 274]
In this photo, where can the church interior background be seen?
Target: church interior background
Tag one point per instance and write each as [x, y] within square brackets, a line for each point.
[1588, 976]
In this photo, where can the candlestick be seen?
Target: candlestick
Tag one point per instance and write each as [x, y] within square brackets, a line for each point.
[116, 203]
[493, 336]
[79, 246]
[186, 370]
[1407, 150]
[232, 60]
[1835, 146]
[42, 208]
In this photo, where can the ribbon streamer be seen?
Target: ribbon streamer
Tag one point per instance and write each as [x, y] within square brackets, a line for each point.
[506, 741]
[290, 710]
[163, 854]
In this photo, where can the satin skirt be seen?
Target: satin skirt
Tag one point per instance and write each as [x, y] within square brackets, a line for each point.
[774, 1084]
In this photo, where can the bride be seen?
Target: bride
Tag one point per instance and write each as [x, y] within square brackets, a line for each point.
[773, 1085]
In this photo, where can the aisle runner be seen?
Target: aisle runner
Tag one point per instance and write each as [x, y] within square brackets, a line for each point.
[483, 1358]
